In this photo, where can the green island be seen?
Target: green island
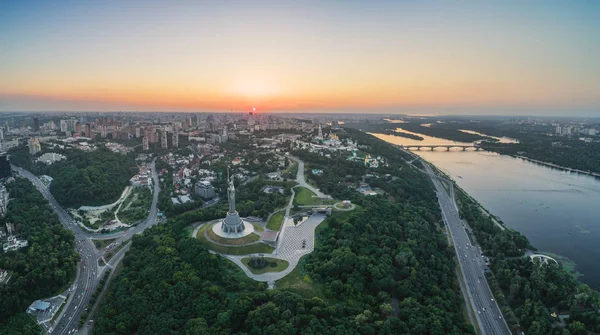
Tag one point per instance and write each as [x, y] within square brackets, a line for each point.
[101, 244]
[270, 265]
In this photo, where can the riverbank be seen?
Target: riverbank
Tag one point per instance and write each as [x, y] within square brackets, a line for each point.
[565, 262]
[594, 174]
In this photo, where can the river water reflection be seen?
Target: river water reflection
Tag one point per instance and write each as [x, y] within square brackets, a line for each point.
[558, 211]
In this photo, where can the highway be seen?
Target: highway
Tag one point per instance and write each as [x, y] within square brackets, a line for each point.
[471, 263]
[88, 272]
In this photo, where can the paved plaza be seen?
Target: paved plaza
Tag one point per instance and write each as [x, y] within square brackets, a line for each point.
[289, 247]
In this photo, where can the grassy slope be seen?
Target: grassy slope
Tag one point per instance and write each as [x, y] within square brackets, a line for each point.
[304, 196]
[276, 220]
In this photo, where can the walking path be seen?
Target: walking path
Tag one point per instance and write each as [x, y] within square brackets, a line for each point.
[123, 196]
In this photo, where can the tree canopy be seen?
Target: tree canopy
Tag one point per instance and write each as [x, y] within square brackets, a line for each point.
[47, 264]
[385, 269]
[90, 178]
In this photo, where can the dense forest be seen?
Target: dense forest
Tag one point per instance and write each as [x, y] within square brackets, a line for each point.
[533, 290]
[387, 268]
[85, 178]
[44, 267]
[565, 152]
[252, 201]
[90, 178]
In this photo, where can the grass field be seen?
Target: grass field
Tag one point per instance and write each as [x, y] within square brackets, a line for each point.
[101, 244]
[280, 265]
[304, 196]
[276, 220]
[257, 227]
[258, 248]
[231, 241]
[300, 283]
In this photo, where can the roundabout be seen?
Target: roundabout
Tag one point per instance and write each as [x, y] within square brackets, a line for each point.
[344, 206]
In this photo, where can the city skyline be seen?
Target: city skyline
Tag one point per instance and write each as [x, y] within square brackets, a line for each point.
[385, 57]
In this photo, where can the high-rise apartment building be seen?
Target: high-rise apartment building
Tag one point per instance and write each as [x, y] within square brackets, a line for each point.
[163, 139]
[175, 139]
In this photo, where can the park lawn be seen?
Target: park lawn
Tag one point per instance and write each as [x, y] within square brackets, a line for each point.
[276, 220]
[304, 196]
[281, 265]
[257, 227]
[101, 244]
[258, 248]
[231, 241]
[300, 283]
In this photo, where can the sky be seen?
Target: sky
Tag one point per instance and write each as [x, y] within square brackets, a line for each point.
[446, 57]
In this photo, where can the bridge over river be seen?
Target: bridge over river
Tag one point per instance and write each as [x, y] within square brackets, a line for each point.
[432, 147]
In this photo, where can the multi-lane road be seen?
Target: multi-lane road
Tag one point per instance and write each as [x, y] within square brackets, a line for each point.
[471, 262]
[88, 271]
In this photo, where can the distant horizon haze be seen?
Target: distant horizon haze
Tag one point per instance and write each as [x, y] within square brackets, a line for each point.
[511, 57]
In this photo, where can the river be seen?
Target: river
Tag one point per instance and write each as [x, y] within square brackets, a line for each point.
[558, 211]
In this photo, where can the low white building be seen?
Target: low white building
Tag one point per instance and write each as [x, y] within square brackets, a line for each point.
[50, 158]
[14, 243]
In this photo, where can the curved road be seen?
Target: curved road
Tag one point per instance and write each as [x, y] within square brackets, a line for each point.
[62, 214]
[300, 178]
[88, 271]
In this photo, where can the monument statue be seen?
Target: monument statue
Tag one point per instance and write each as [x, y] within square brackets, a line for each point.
[231, 194]
[232, 224]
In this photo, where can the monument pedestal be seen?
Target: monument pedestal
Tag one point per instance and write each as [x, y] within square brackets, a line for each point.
[241, 228]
